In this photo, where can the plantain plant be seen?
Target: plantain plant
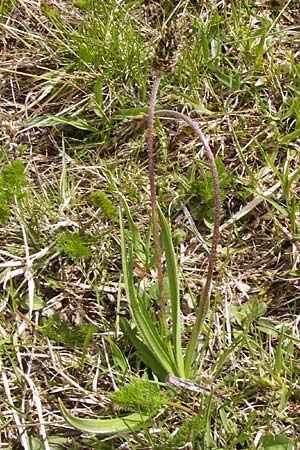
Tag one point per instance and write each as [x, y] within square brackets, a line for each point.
[158, 345]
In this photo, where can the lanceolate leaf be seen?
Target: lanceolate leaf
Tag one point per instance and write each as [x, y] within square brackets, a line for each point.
[172, 274]
[143, 350]
[51, 120]
[144, 320]
[106, 426]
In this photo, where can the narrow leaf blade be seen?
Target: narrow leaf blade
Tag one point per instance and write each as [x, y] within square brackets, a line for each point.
[142, 317]
[172, 274]
[106, 426]
[143, 351]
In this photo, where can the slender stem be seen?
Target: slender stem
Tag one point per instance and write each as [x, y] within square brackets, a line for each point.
[203, 303]
[176, 405]
[160, 275]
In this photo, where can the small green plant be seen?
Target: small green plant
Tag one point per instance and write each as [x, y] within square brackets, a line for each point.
[73, 245]
[12, 183]
[59, 331]
[139, 395]
[189, 431]
[99, 199]
[201, 193]
[158, 347]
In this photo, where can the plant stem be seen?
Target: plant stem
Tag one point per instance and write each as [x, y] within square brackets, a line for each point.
[160, 275]
[203, 303]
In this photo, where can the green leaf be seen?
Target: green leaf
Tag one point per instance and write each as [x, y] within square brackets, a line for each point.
[277, 442]
[38, 303]
[145, 354]
[144, 320]
[230, 80]
[260, 48]
[98, 92]
[137, 242]
[84, 53]
[50, 120]
[117, 355]
[131, 113]
[289, 137]
[197, 105]
[106, 426]
[266, 326]
[247, 311]
[34, 443]
[76, 122]
[282, 210]
[172, 274]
